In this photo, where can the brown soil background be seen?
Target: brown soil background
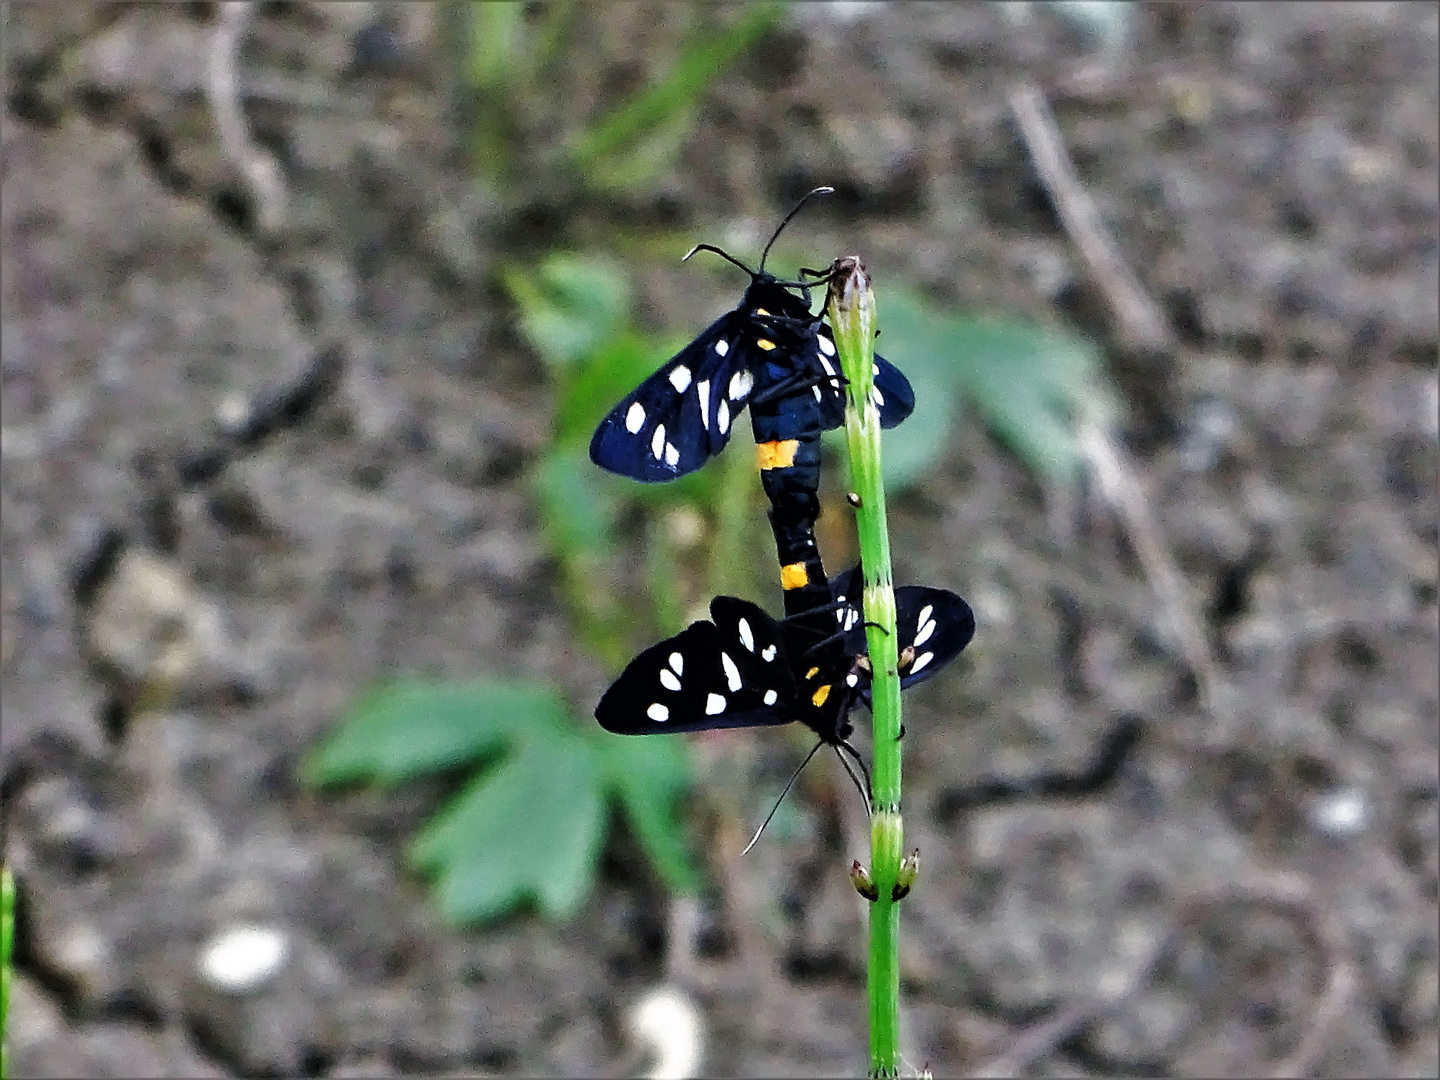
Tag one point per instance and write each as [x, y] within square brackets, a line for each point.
[1269, 173]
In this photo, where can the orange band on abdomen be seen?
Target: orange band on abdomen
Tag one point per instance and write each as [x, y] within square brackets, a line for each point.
[776, 455]
[794, 576]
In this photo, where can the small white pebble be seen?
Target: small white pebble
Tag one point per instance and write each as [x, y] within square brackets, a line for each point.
[242, 958]
[1341, 813]
[667, 1023]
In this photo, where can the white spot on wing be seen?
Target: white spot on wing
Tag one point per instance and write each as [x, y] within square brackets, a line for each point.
[877, 397]
[702, 389]
[635, 418]
[874, 369]
[924, 634]
[920, 661]
[657, 441]
[657, 712]
[746, 637]
[680, 378]
[925, 613]
[668, 680]
[732, 673]
[714, 704]
[827, 347]
[672, 455]
[816, 391]
[677, 663]
[722, 346]
[771, 697]
[722, 417]
[768, 652]
[740, 384]
[851, 679]
[829, 367]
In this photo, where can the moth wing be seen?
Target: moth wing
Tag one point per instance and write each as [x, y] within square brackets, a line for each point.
[693, 682]
[680, 417]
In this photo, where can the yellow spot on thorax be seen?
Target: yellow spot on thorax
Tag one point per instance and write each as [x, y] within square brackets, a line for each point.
[776, 455]
[766, 344]
[794, 576]
[761, 311]
[812, 673]
[818, 698]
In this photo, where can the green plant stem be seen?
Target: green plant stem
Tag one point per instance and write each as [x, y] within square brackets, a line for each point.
[7, 939]
[851, 307]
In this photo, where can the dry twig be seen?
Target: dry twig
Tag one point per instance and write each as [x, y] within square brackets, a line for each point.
[1140, 320]
[259, 170]
[1124, 492]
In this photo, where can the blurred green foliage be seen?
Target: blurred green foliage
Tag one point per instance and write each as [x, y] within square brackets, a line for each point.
[1029, 383]
[530, 822]
[511, 49]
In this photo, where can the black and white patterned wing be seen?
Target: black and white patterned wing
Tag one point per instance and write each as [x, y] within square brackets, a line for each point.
[680, 417]
[893, 395]
[933, 625]
[723, 674]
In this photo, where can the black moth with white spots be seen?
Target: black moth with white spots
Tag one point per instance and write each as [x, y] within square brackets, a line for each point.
[742, 668]
[766, 351]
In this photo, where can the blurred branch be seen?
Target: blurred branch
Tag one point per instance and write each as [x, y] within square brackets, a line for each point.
[1125, 494]
[1141, 322]
[260, 171]
[1143, 325]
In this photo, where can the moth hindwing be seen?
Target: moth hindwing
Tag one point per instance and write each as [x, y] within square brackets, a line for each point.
[730, 671]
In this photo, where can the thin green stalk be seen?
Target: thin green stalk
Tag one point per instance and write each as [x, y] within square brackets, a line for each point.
[7, 941]
[851, 307]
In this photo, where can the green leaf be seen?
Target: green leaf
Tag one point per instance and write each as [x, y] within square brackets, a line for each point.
[569, 305]
[531, 827]
[416, 726]
[613, 368]
[650, 777]
[577, 502]
[673, 97]
[1029, 382]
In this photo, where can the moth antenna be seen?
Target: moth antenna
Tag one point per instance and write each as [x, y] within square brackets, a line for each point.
[867, 791]
[723, 254]
[776, 234]
[788, 785]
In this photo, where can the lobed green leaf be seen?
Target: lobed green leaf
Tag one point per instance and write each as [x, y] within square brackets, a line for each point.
[415, 726]
[529, 828]
[649, 777]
